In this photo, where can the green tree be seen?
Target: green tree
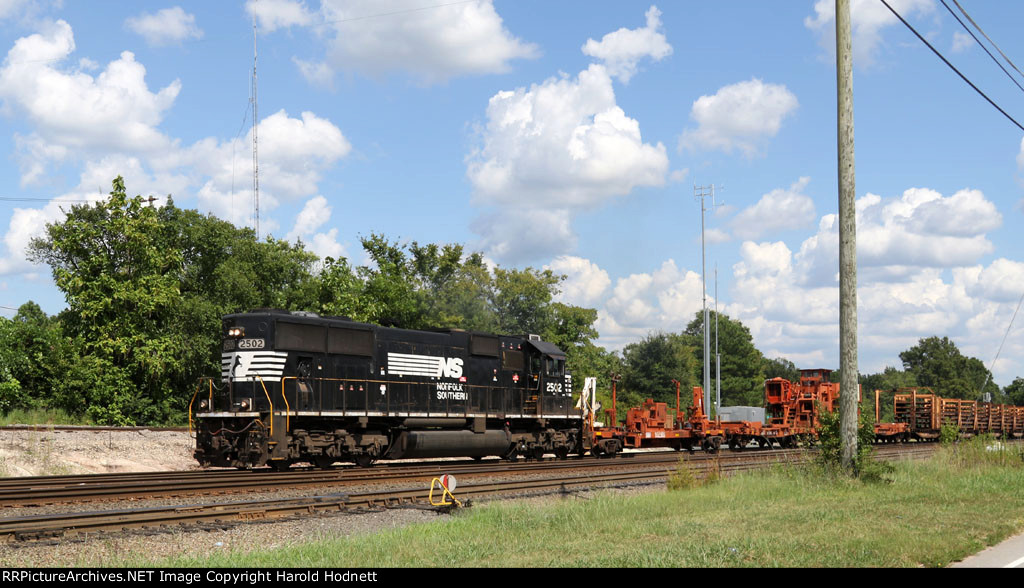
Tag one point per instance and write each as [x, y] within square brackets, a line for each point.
[122, 289]
[781, 367]
[1014, 393]
[938, 364]
[650, 365]
[521, 299]
[742, 364]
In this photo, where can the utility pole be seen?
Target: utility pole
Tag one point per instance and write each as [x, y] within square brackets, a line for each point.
[848, 386]
[702, 192]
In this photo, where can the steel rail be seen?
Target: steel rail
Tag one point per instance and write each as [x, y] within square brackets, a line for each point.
[92, 487]
[104, 487]
[74, 524]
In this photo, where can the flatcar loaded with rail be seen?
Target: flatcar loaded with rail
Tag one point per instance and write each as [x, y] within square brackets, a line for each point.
[297, 387]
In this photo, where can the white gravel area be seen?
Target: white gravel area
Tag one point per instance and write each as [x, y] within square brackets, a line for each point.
[50, 453]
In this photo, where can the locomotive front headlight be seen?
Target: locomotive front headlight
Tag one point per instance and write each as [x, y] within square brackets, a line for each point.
[236, 332]
[245, 404]
[202, 404]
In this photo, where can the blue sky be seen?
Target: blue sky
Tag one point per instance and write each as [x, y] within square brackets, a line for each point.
[566, 135]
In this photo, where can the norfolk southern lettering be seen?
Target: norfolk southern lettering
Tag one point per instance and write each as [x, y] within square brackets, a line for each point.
[322, 390]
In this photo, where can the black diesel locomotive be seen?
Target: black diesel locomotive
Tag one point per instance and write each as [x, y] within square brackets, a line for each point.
[297, 387]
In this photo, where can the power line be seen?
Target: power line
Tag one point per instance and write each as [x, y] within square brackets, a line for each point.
[951, 66]
[982, 45]
[986, 36]
[1000, 350]
[18, 199]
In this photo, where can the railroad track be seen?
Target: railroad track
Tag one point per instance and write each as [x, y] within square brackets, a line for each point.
[42, 490]
[68, 525]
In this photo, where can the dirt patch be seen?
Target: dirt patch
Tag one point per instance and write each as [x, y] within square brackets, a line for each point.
[49, 453]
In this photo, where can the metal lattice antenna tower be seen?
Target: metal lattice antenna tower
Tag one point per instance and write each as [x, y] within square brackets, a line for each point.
[702, 193]
[255, 141]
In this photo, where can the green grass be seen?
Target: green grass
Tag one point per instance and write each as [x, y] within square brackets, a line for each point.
[932, 513]
[41, 417]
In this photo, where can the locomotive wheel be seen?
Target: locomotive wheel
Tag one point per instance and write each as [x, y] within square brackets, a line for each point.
[763, 443]
[323, 461]
[734, 444]
[279, 465]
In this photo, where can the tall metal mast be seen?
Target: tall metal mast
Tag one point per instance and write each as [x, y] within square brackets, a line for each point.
[718, 356]
[702, 192]
[255, 142]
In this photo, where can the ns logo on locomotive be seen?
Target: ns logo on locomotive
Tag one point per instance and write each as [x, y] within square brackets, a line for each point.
[297, 387]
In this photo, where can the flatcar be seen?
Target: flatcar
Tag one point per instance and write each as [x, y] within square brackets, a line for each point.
[297, 387]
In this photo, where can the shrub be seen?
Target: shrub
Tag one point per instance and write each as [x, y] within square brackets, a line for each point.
[865, 467]
[948, 434]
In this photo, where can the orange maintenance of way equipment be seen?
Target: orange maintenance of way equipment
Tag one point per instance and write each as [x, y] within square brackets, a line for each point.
[650, 426]
[792, 409]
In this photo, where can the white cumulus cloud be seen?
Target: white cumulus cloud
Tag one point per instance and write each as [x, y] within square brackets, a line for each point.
[663, 300]
[561, 145]
[623, 49]
[868, 18]
[271, 15]
[739, 116]
[433, 45]
[898, 236]
[73, 111]
[316, 213]
[165, 27]
[778, 210]
[585, 282]
[110, 123]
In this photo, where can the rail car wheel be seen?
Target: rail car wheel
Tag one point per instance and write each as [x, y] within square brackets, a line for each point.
[562, 452]
[763, 443]
[364, 460]
[612, 450]
[713, 445]
[538, 453]
[735, 445]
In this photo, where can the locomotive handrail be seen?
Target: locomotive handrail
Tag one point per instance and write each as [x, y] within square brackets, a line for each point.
[194, 394]
[287, 407]
[190, 410]
[271, 402]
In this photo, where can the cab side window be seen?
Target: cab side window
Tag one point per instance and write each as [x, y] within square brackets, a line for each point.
[554, 367]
